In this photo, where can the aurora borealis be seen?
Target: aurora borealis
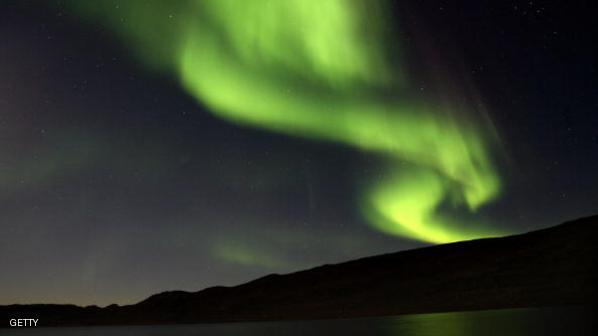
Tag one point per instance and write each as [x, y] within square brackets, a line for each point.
[264, 136]
[319, 70]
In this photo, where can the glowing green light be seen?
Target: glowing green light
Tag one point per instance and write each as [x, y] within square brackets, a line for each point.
[414, 206]
[320, 69]
[245, 255]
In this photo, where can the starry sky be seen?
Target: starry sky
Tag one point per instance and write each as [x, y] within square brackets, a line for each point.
[118, 181]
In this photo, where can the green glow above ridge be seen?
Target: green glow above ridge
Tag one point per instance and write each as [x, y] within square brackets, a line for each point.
[321, 70]
[422, 192]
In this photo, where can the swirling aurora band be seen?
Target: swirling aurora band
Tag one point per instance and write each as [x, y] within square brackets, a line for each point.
[320, 70]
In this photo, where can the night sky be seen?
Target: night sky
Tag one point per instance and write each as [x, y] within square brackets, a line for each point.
[117, 181]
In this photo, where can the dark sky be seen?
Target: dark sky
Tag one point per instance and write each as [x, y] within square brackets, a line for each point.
[115, 184]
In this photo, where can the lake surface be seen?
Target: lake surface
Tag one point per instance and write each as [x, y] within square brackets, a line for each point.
[511, 322]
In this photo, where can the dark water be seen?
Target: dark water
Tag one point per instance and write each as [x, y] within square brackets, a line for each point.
[514, 322]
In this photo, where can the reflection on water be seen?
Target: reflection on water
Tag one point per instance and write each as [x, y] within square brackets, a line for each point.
[511, 322]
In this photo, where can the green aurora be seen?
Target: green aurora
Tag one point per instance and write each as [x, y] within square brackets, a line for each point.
[324, 70]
